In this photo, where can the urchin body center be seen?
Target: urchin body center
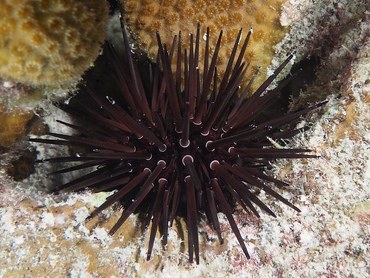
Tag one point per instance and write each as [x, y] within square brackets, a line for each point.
[182, 153]
[175, 144]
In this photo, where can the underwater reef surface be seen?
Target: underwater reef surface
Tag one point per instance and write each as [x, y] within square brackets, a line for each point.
[46, 235]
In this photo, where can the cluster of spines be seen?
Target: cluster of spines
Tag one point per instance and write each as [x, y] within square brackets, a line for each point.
[194, 149]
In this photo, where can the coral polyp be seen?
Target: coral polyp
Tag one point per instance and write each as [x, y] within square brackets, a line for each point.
[50, 42]
[169, 152]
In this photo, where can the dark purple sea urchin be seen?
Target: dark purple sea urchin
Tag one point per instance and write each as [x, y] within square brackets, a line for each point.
[179, 150]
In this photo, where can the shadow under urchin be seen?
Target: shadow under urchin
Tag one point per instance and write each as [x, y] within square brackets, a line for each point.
[179, 150]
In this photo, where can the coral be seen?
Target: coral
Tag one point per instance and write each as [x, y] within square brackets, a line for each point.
[49, 41]
[18, 103]
[169, 16]
[13, 125]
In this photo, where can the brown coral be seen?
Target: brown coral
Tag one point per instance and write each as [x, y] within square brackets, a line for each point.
[146, 17]
[49, 41]
[13, 125]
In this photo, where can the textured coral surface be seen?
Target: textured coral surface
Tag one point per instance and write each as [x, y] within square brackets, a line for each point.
[49, 41]
[168, 17]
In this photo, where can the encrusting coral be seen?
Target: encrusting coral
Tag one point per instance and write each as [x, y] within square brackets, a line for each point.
[49, 42]
[13, 125]
[145, 17]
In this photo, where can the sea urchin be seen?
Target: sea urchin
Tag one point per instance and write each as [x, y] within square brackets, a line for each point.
[178, 150]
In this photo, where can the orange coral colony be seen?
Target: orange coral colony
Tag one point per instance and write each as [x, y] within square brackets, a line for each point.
[49, 42]
[168, 17]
